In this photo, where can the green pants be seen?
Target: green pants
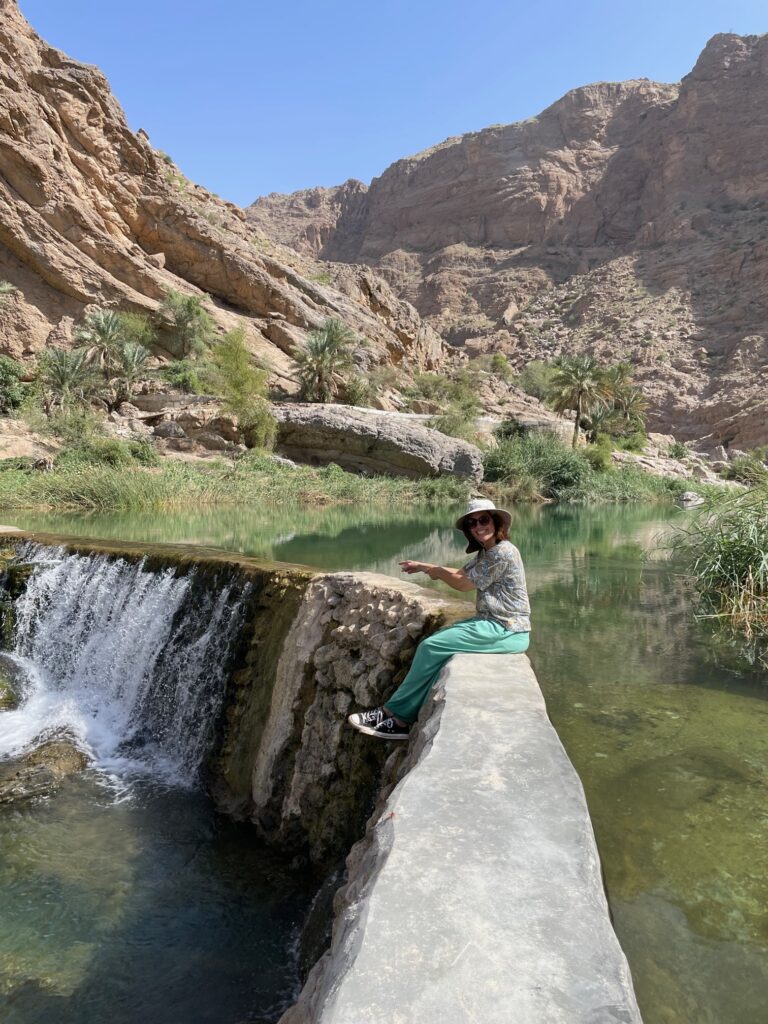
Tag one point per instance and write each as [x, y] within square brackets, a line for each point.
[480, 636]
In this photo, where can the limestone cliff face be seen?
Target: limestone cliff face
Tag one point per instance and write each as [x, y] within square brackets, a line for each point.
[90, 213]
[627, 220]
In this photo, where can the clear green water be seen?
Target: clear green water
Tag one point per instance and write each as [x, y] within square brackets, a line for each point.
[146, 909]
[667, 728]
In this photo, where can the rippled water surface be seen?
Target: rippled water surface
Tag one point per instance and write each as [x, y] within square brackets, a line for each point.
[667, 726]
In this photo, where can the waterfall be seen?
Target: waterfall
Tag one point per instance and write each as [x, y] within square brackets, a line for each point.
[132, 662]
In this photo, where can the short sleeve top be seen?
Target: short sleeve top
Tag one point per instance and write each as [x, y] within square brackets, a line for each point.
[502, 593]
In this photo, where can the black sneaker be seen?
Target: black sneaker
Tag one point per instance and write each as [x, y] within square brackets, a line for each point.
[377, 723]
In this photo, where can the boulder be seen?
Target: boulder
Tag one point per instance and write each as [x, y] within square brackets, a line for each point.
[372, 442]
[168, 428]
[213, 442]
[689, 499]
[40, 771]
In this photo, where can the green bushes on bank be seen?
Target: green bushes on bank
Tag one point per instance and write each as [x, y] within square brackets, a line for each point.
[531, 467]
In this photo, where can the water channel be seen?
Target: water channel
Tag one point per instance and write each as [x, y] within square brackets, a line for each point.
[137, 890]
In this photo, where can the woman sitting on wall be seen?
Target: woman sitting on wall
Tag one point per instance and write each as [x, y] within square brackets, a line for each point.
[501, 624]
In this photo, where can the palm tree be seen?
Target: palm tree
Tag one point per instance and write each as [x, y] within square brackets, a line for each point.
[329, 351]
[129, 365]
[602, 420]
[67, 378]
[578, 384]
[101, 334]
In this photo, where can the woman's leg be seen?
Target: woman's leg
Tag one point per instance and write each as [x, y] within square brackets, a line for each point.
[478, 635]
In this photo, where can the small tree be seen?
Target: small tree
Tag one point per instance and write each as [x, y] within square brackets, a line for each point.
[577, 384]
[329, 352]
[242, 385]
[191, 325]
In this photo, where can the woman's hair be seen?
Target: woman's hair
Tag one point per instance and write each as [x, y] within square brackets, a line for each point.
[502, 532]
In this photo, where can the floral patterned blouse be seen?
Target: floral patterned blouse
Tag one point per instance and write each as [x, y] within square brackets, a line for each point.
[502, 594]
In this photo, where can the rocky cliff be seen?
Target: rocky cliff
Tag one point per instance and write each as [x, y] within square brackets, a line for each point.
[91, 213]
[627, 220]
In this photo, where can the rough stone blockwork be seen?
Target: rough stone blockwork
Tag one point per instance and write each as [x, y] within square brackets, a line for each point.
[476, 894]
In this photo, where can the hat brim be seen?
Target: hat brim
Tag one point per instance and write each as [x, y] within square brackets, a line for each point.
[506, 517]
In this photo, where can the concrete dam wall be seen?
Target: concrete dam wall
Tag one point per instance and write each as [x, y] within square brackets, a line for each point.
[474, 892]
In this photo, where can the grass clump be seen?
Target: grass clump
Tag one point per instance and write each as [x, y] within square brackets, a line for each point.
[749, 469]
[725, 549]
[107, 451]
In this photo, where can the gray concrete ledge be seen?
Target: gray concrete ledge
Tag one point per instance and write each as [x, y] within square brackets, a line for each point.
[476, 895]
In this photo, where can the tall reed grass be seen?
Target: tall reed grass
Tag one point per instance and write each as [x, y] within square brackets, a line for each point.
[725, 549]
[97, 487]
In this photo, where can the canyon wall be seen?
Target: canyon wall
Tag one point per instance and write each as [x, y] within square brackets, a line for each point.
[628, 221]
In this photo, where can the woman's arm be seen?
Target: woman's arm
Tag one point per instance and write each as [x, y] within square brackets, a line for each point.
[455, 578]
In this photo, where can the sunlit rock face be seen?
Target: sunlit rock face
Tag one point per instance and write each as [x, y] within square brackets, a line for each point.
[91, 213]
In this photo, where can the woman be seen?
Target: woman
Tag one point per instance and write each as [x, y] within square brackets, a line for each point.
[501, 626]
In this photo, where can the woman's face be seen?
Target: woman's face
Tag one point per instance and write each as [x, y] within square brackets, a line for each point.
[482, 528]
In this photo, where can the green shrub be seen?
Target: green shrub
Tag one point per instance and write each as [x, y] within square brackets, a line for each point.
[108, 451]
[12, 391]
[635, 442]
[725, 548]
[357, 391]
[186, 375]
[500, 367]
[541, 460]
[536, 379]
[678, 450]
[190, 325]
[598, 455]
[455, 422]
[509, 429]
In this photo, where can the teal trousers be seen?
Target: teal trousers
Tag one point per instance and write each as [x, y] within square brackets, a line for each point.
[480, 636]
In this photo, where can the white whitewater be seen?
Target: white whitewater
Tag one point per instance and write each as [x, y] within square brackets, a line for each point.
[132, 663]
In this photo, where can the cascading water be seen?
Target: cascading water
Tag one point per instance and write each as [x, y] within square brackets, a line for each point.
[131, 662]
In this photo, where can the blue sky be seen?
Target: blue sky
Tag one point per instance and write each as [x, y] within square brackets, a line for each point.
[262, 96]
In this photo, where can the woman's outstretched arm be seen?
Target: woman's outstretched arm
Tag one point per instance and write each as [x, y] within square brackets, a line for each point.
[455, 578]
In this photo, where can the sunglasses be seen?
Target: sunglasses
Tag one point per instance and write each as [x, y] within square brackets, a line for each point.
[480, 521]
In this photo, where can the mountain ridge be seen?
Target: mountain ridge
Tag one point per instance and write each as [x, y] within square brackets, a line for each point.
[627, 220]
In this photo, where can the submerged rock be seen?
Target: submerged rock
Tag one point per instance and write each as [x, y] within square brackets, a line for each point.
[40, 771]
[689, 499]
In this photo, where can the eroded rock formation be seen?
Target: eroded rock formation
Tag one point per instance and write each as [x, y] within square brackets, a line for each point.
[627, 220]
[91, 214]
[372, 442]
